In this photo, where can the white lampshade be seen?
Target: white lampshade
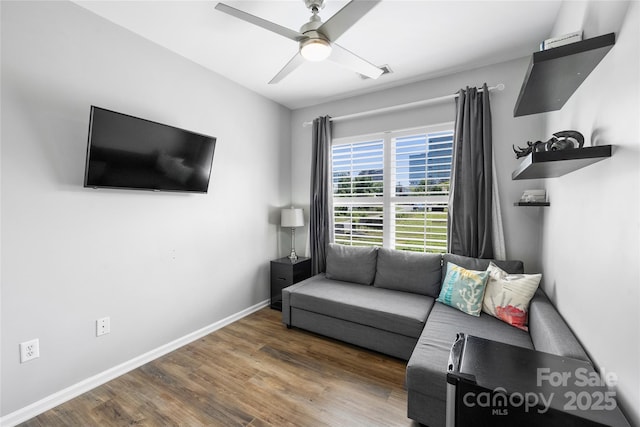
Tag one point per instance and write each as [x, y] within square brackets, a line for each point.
[292, 218]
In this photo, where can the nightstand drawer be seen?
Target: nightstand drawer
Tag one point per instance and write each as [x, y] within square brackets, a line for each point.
[282, 273]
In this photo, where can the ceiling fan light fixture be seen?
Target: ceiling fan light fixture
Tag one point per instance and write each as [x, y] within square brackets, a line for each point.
[315, 49]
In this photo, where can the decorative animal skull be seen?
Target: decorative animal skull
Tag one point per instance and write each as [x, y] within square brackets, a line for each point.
[564, 140]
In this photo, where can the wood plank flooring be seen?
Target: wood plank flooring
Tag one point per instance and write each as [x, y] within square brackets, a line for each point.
[255, 373]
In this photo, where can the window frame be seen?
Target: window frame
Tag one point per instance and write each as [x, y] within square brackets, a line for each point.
[388, 199]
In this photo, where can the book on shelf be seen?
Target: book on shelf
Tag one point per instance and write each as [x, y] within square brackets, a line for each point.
[576, 36]
[533, 196]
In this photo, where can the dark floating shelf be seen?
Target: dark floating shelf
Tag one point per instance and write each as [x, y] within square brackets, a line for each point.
[532, 204]
[555, 74]
[551, 164]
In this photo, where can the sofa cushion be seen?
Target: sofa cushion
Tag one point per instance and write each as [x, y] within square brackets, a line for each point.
[408, 271]
[463, 289]
[399, 312]
[507, 296]
[351, 263]
[427, 367]
[512, 267]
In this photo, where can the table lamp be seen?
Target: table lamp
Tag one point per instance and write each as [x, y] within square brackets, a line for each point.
[292, 218]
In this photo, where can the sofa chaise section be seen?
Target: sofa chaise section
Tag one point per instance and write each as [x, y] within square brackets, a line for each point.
[426, 375]
[426, 369]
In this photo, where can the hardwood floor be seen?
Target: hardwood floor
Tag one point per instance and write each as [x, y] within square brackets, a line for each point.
[254, 372]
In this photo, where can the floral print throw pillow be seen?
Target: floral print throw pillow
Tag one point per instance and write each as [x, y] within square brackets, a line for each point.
[463, 289]
[508, 295]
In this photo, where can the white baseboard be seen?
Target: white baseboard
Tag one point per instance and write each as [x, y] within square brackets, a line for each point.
[55, 399]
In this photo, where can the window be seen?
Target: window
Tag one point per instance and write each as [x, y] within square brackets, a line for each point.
[392, 189]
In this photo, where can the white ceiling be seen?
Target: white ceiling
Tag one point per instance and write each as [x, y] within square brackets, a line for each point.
[418, 39]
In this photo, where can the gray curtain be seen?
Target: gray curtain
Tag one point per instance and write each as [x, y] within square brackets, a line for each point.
[319, 233]
[470, 199]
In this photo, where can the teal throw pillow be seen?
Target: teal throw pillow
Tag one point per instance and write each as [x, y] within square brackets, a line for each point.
[463, 289]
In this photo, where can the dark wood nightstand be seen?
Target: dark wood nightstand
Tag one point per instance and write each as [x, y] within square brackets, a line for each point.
[285, 272]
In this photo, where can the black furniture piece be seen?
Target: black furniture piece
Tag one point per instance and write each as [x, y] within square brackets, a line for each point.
[494, 384]
[285, 272]
[555, 74]
[551, 164]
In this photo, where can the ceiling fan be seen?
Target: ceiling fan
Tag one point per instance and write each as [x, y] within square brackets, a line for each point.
[316, 40]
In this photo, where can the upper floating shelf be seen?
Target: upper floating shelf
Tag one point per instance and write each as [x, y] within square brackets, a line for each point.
[550, 164]
[554, 74]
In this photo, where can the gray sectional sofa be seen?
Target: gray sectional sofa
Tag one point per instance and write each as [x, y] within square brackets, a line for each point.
[385, 300]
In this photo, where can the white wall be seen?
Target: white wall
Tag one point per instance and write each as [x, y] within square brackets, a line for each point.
[591, 243]
[161, 265]
[522, 225]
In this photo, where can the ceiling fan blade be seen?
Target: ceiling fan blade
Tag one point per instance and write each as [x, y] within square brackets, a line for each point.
[342, 56]
[294, 63]
[267, 25]
[346, 17]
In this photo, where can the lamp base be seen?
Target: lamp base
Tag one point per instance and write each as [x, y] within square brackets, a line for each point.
[292, 255]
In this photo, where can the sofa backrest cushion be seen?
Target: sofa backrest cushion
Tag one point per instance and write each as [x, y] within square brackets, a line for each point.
[511, 267]
[406, 271]
[355, 264]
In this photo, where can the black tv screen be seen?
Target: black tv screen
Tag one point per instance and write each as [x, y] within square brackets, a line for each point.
[133, 153]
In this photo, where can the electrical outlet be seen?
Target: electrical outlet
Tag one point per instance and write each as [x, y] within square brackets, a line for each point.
[103, 326]
[29, 350]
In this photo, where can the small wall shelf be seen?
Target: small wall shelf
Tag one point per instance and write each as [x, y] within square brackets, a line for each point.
[532, 204]
[553, 75]
[551, 164]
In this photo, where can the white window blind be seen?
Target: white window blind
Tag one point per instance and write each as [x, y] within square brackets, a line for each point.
[392, 189]
[357, 192]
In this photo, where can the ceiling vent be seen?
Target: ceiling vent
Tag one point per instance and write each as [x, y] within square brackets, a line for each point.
[385, 70]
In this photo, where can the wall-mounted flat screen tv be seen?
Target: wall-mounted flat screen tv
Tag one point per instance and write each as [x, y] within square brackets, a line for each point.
[133, 153]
